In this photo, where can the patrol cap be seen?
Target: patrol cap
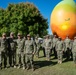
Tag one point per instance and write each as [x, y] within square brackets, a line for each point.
[36, 37]
[75, 37]
[28, 35]
[11, 33]
[59, 37]
[4, 34]
[54, 34]
[19, 34]
[47, 35]
[67, 36]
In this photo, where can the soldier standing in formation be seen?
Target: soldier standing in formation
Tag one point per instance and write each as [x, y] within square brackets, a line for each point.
[43, 46]
[74, 50]
[37, 46]
[67, 46]
[25, 49]
[3, 50]
[20, 51]
[12, 50]
[29, 50]
[59, 49]
[55, 39]
[48, 47]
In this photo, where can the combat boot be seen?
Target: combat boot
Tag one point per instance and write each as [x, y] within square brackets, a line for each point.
[27, 67]
[14, 66]
[23, 67]
[5, 67]
[0, 66]
[18, 66]
[60, 61]
[33, 68]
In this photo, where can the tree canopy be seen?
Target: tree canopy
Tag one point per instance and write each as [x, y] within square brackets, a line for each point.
[24, 18]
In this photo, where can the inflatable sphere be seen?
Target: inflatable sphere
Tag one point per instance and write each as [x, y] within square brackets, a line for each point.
[63, 19]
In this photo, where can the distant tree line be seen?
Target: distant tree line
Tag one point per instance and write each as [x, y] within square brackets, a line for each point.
[24, 18]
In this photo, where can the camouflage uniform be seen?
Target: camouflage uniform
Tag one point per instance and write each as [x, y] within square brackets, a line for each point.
[20, 51]
[29, 50]
[67, 47]
[48, 47]
[43, 46]
[37, 46]
[59, 49]
[74, 50]
[12, 50]
[54, 46]
[3, 50]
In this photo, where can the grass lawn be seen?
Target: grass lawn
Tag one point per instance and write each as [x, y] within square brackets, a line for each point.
[44, 67]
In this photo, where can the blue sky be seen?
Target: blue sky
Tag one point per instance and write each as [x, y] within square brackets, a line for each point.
[45, 6]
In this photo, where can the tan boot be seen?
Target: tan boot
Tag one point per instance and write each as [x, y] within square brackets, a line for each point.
[60, 61]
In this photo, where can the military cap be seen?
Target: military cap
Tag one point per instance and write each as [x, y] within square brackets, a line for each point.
[59, 37]
[28, 35]
[75, 37]
[11, 33]
[67, 36]
[54, 34]
[19, 34]
[36, 37]
[47, 35]
[4, 34]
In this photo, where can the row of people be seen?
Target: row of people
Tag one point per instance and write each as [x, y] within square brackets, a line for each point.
[59, 47]
[19, 51]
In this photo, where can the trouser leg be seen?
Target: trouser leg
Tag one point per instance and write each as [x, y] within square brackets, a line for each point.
[0, 58]
[74, 57]
[68, 54]
[27, 61]
[10, 58]
[44, 52]
[14, 58]
[55, 52]
[5, 60]
[22, 59]
[18, 59]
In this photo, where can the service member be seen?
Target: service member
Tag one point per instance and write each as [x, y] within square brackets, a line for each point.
[12, 50]
[20, 51]
[3, 50]
[74, 50]
[29, 50]
[48, 47]
[59, 49]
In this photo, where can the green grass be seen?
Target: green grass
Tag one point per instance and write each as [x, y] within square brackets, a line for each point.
[44, 67]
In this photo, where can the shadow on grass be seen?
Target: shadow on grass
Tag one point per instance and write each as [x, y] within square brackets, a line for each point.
[39, 64]
[67, 60]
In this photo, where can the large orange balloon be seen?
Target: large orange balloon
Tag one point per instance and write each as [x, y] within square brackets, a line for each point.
[63, 19]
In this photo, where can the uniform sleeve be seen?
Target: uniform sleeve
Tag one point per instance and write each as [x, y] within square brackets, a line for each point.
[63, 45]
[71, 43]
[34, 45]
[56, 45]
[73, 46]
[24, 45]
[51, 44]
